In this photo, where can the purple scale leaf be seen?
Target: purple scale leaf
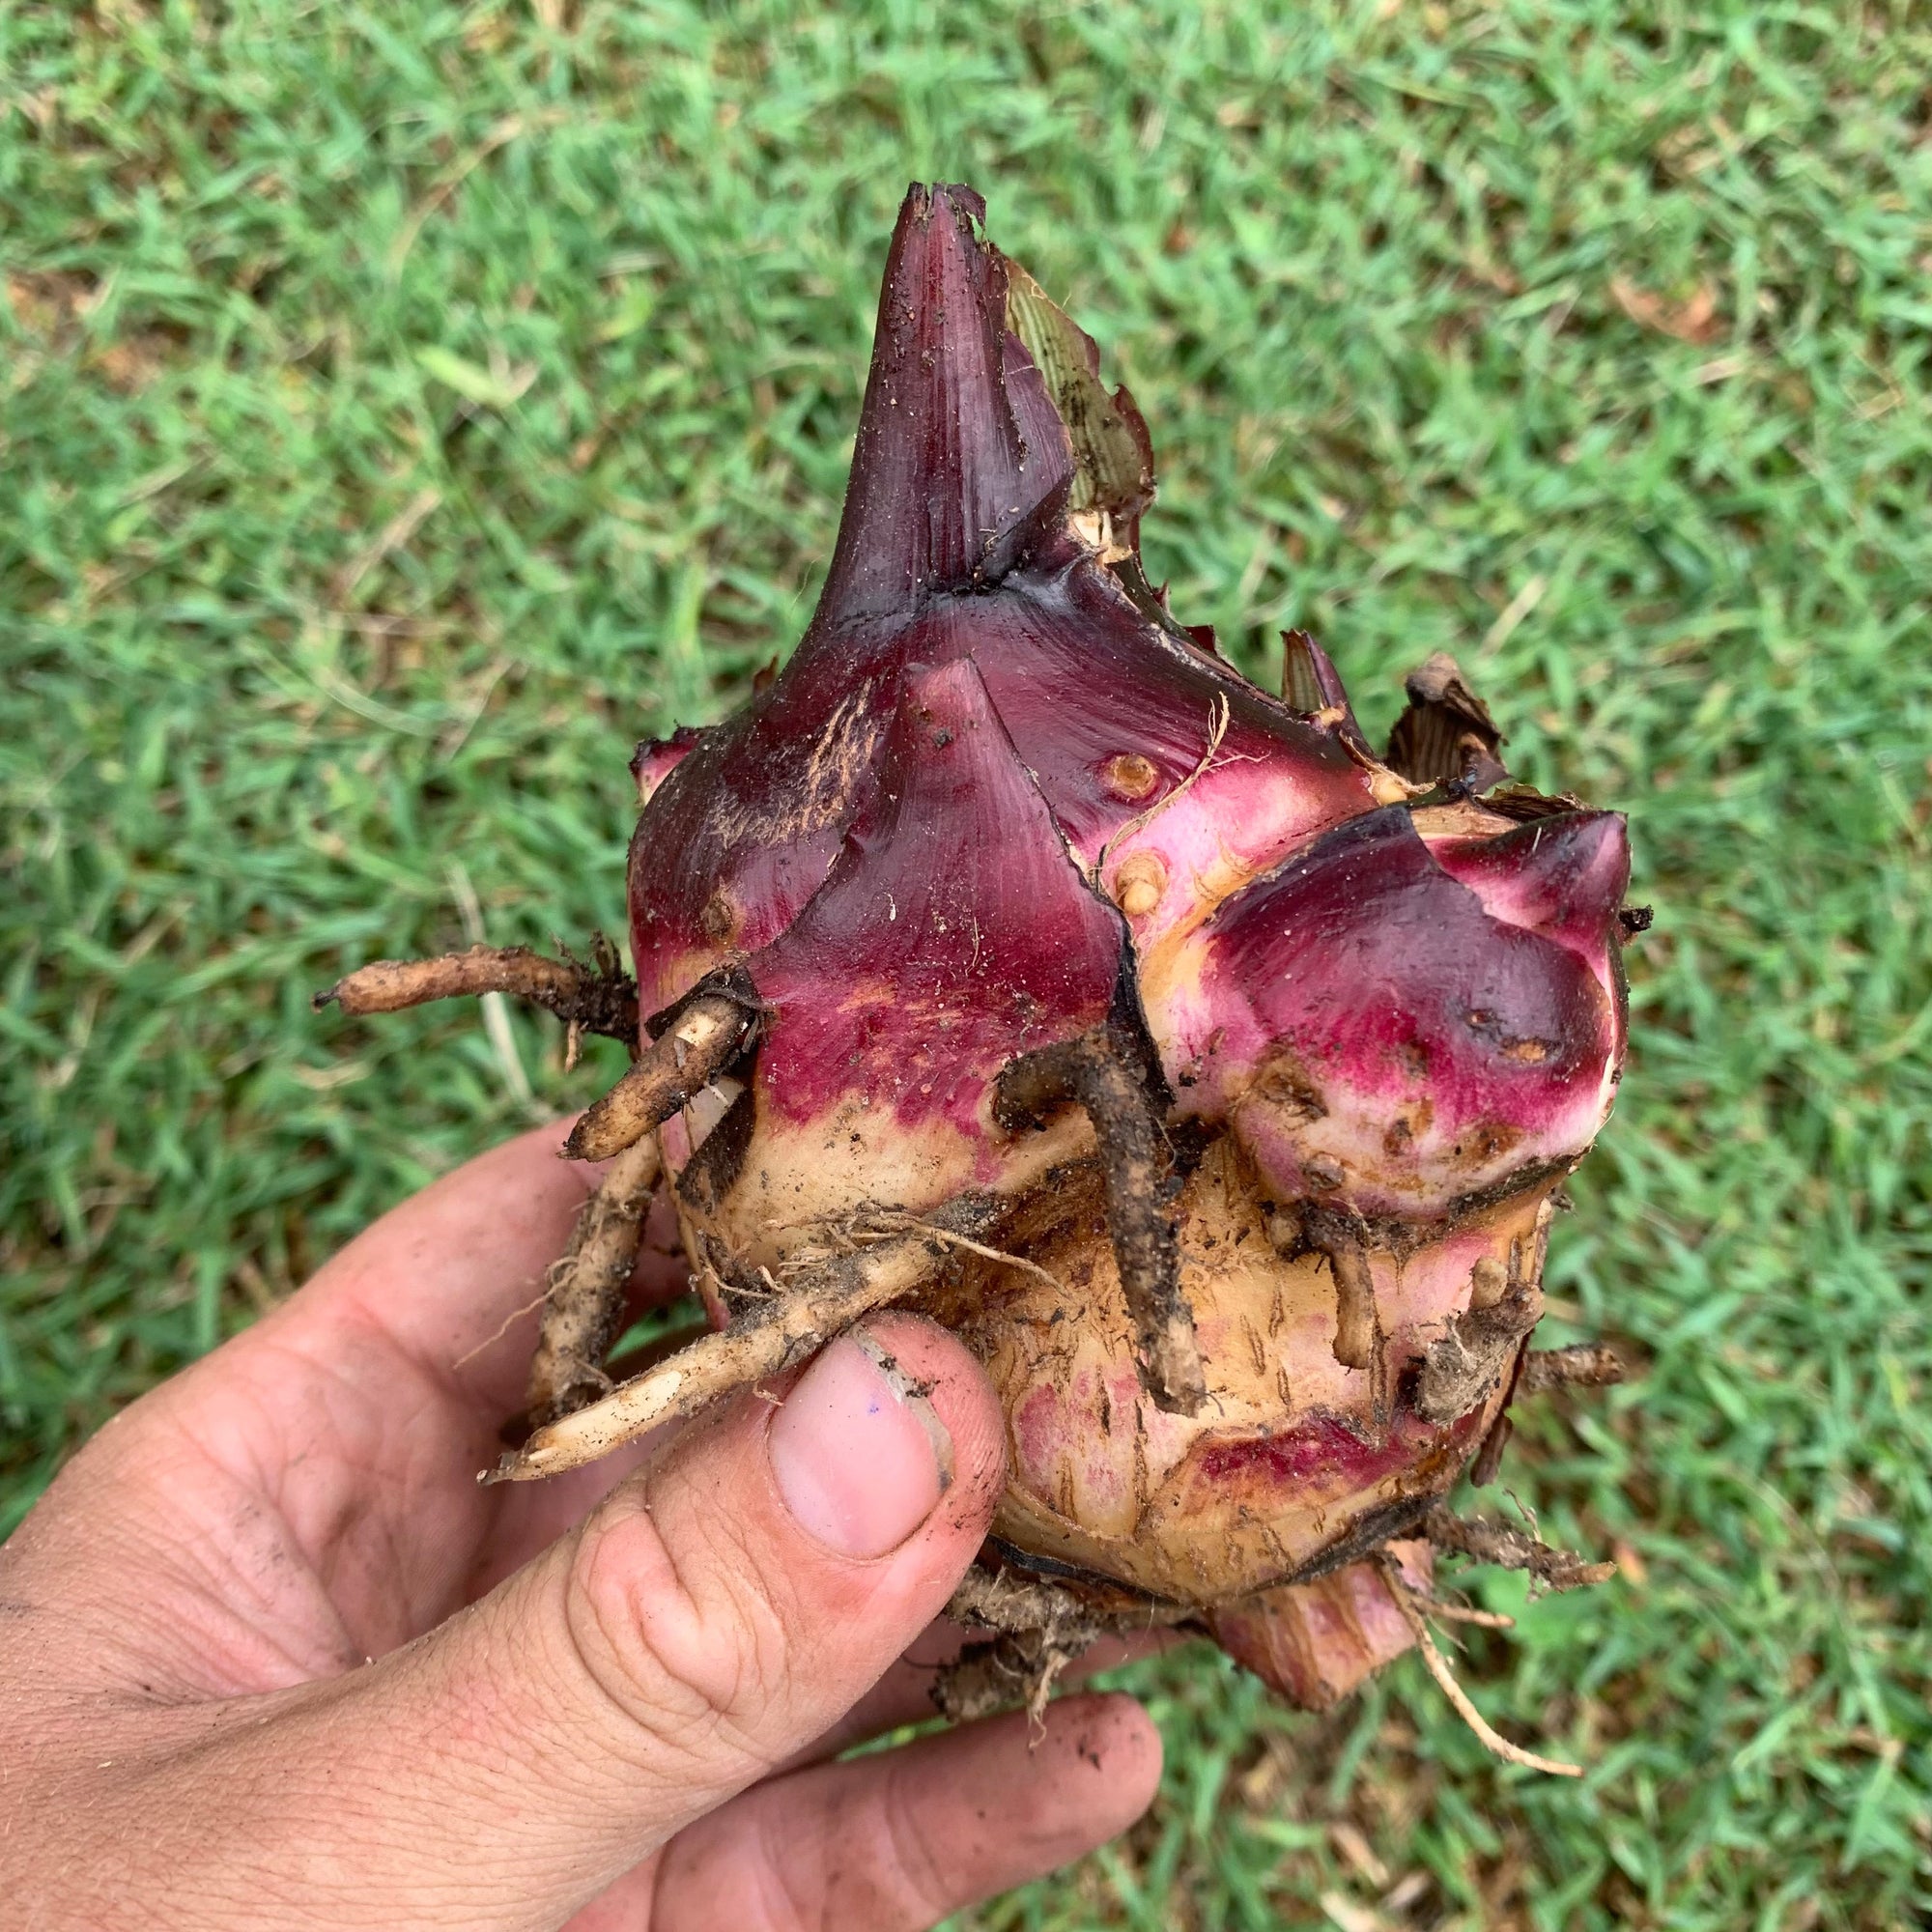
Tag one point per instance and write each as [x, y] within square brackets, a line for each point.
[961, 462]
[1380, 1039]
[952, 932]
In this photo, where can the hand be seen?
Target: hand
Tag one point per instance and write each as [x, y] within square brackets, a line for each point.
[270, 1658]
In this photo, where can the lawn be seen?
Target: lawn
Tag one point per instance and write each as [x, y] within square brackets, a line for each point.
[405, 407]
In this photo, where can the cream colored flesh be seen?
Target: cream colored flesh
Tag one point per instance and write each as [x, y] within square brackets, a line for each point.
[1192, 1510]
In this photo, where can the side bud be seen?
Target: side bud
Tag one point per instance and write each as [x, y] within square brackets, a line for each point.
[1392, 1026]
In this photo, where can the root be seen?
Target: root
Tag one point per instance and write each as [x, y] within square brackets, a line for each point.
[1489, 1463]
[698, 1044]
[1479, 1348]
[1465, 1613]
[1510, 1549]
[776, 1335]
[1136, 1168]
[583, 1304]
[1357, 1326]
[1438, 1669]
[1587, 1365]
[1342, 1238]
[598, 998]
[1040, 1628]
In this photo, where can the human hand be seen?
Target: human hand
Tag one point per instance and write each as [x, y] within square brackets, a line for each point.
[271, 1658]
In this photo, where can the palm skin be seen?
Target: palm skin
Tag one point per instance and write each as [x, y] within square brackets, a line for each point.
[271, 1656]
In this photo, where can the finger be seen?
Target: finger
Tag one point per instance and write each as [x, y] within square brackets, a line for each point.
[903, 1695]
[453, 1279]
[354, 1417]
[897, 1841]
[711, 1618]
[528, 1517]
[327, 1456]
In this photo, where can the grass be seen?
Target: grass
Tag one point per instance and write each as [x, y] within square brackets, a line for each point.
[403, 407]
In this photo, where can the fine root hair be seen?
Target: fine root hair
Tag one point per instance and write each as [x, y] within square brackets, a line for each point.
[1437, 1666]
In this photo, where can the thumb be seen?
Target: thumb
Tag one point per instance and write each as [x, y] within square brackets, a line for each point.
[711, 1618]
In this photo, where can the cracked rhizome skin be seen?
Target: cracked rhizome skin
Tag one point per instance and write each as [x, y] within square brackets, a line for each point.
[1259, 1056]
